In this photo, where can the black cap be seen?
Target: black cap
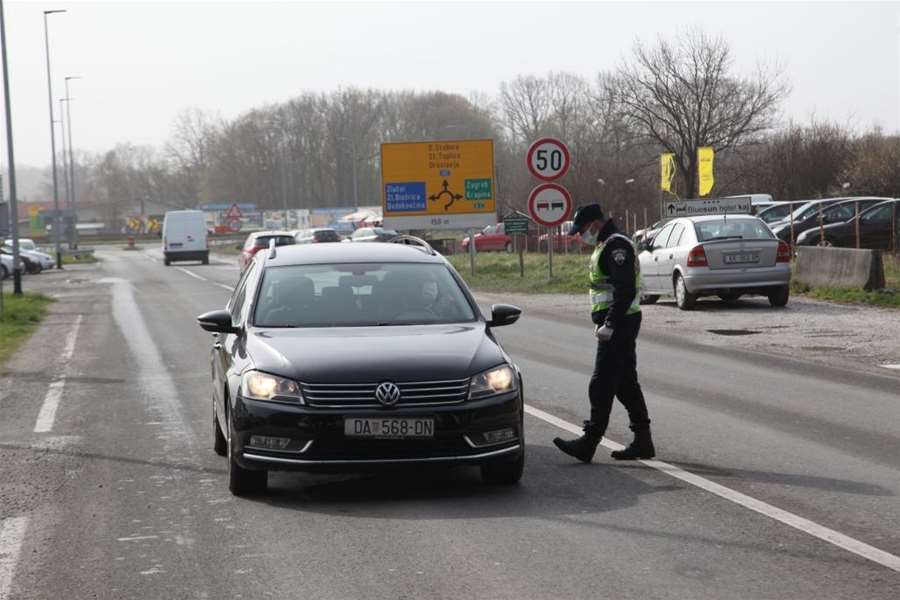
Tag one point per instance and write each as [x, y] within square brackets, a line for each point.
[584, 215]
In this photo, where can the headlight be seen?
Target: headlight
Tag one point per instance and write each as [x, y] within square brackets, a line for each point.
[262, 386]
[498, 380]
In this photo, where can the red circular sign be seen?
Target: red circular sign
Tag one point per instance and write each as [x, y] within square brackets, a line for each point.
[549, 204]
[548, 159]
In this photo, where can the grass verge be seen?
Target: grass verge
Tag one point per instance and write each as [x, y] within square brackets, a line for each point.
[84, 259]
[20, 317]
[498, 272]
[888, 297]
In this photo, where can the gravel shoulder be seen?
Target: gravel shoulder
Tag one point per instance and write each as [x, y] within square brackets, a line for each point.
[847, 336]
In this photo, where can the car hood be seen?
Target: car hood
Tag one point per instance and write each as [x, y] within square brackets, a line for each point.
[369, 354]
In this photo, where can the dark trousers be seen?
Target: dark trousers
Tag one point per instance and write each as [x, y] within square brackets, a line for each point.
[615, 374]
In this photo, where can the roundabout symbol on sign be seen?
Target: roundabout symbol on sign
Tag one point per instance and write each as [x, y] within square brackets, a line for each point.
[549, 204]
[548, 159]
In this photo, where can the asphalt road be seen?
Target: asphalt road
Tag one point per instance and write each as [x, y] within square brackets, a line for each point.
[780, 480]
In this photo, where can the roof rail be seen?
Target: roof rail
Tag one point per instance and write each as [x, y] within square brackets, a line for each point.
[272, 248]
[412, 240]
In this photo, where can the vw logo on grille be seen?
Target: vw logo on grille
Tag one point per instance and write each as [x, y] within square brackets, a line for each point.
[387, 393]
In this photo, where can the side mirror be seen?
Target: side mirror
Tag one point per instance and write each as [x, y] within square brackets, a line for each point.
[504, 314]
[217, 321]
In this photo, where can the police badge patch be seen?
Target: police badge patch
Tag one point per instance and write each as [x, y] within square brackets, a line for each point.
[619, 256]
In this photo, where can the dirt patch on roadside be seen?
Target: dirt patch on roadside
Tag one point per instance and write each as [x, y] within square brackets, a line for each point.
[848, 336]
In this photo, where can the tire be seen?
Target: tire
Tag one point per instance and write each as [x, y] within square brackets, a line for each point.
[167, 262]
[649, 298]
[241, 481]
[38, 268]
[826, 243]
[220, 442]
[509, 247]
[779, 297]
[503, 473]
[206, 258]
[683, 298]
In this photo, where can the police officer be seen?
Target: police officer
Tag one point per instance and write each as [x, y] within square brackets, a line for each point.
[616, 313]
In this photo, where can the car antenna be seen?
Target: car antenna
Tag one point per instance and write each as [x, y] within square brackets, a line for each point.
[272, 248]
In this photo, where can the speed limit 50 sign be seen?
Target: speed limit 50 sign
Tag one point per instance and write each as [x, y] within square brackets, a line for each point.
[548, 159]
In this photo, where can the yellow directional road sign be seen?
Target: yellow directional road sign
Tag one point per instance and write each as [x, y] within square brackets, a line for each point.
[438, 185]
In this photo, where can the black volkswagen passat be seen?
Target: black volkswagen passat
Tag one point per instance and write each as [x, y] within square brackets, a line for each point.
[352, 357]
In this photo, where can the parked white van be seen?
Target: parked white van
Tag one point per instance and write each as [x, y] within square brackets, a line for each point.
[184, 236]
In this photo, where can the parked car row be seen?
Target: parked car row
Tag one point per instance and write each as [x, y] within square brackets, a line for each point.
[31, 258]
[318, 235]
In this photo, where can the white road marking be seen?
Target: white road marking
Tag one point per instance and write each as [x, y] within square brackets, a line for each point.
[12, 533]
[136, 538]
[227, 287]
[821, 532]
[47, 414]
[191, 273]
[892, 366]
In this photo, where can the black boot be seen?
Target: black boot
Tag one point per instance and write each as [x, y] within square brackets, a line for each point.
[641, 447]
[584, 447]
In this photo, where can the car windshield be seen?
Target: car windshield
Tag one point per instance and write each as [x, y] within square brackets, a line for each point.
[360, 295]
[719, 229]
[775, 213]
[326, 235]
[280, 240]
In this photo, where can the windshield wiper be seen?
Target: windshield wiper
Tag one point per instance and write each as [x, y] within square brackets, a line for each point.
[725, 237]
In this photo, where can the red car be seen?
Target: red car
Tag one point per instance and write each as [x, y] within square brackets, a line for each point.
[561, 239]
[491, 237]
[259, 240]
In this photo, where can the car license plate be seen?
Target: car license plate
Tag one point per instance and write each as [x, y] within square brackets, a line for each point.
[389, 428]
[743, 258]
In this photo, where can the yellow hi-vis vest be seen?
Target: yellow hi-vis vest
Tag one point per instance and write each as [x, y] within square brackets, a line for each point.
[601, 291]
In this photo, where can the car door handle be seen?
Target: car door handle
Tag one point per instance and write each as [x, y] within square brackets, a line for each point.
[655, 259]
[671, 256]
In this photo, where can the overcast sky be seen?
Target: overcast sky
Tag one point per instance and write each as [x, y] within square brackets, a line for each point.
[142, 62]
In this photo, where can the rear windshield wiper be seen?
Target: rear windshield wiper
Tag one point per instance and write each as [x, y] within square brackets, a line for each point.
[725, 237]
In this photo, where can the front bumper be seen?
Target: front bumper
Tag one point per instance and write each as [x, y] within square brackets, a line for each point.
[318, 443]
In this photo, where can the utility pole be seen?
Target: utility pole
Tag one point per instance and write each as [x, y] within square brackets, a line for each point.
[56, 220]
[13, 206]
[71, 162]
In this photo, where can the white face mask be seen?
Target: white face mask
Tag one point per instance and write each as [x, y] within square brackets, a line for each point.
[590, 237]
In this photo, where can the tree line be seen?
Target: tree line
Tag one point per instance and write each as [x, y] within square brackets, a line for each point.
[322, 149]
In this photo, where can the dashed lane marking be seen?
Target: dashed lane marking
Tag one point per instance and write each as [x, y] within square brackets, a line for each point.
[191, 273]
[831, 536]
[227, 287]
[47, 414]
[12, 533]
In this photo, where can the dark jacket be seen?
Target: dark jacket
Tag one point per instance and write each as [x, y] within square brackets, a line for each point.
[619, 263]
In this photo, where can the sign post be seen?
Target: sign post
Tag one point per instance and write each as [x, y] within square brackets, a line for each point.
[517, 226]
[550, 204]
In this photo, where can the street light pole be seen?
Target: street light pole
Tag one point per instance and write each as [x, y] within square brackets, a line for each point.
[71, 161]
[13, 206]
[62, 134]
[56, 223]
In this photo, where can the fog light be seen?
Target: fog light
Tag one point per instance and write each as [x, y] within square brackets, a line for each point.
[500, 435]
[270, 443]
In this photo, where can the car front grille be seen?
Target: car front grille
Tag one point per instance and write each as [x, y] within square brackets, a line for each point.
[362, 395]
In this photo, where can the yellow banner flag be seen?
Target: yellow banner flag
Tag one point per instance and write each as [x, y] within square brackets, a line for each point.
[705, 157]
[666, 171]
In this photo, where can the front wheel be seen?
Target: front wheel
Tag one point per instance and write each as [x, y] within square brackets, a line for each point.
[241, 481]
[649, 298]
[509, 247]
[503, 473]
[683, 298]
[206, 258]
[779, 297]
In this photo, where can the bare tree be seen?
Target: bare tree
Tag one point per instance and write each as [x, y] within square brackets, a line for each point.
[683, 96]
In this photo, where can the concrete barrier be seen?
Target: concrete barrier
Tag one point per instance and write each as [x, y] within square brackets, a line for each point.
[839, 268]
